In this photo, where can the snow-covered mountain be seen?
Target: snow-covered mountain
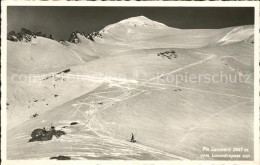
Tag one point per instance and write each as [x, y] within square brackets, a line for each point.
[139, 21]
[74, 37]
[120, 80]
[140, 32]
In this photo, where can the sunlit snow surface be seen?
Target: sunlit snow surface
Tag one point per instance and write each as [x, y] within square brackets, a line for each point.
[90, 139]
[117, 86]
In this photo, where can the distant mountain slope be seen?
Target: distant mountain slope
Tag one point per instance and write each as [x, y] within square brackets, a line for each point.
[142, 33]
[40, 55]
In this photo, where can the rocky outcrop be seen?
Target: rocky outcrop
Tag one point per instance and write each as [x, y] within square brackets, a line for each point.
[25, 35]
[11, 36]
[75, 39]
[51, 37]
[94, 35]
[168, 54]
[61, 157]
[44, 135]
[74, 123]
[40, 34]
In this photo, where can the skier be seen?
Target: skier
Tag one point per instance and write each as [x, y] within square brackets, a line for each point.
[132, 138]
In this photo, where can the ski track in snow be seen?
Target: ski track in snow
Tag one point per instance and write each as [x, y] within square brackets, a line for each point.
[179, 69]
[200, 90]
[237, 60]
[228, 35]
[175, 45]
[130, 89]
[94, 119]
[206, 120]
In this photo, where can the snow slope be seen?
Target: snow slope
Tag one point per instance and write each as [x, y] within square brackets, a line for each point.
[29, 63]
[126, 86]
[41, 54]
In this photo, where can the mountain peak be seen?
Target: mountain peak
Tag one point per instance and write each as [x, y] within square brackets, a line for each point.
[138, 21]
[141, 21]
[140, 18]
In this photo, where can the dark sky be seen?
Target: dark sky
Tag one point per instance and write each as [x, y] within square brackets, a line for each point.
[61, 21]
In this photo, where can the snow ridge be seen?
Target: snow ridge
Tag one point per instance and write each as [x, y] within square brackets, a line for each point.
[142, 21]
[139, 21]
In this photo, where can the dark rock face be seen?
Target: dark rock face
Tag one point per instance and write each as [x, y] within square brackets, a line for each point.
[74, 38]
[60, 157]
[37, 132]
[44, 135]
[168, 54]
[34, 115]
[51, 37]
[93, 35]
[26, 31]
[40, 34]
[64, 71]
[74, 123]
[25, 35]
[11, 36]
